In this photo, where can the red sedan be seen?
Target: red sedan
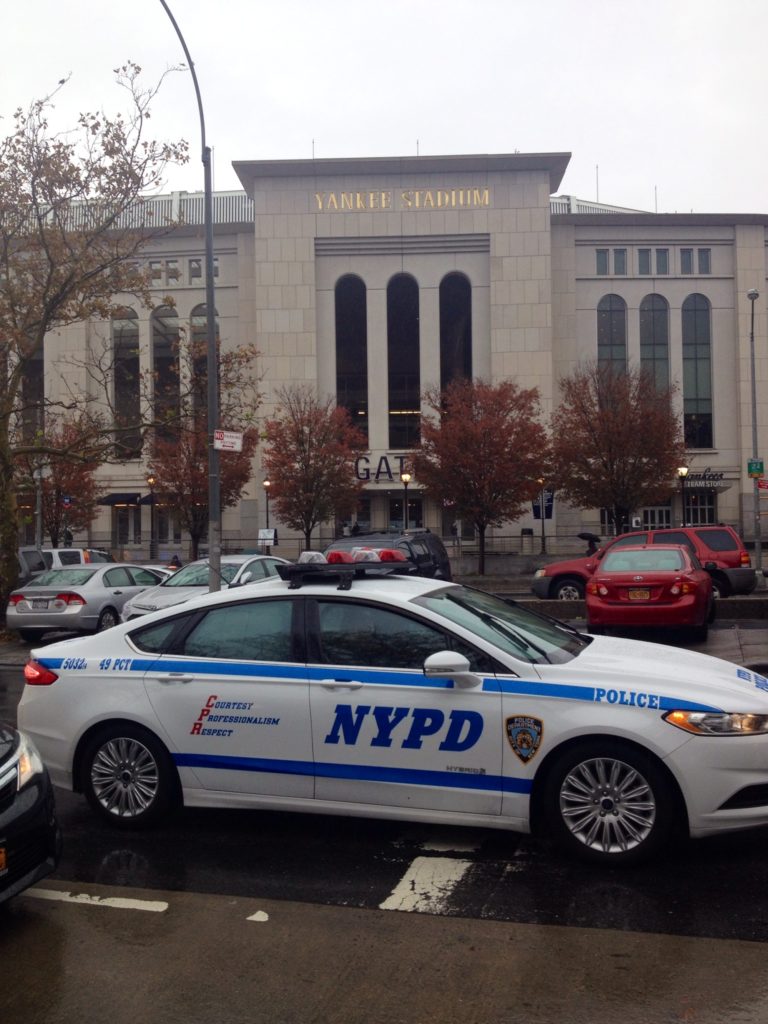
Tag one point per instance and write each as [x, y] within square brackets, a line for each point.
[651, 585]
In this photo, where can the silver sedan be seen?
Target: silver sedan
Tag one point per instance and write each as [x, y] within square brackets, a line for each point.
[79, 599]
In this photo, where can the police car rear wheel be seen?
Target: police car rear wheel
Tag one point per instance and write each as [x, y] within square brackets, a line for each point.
[609, 803]
[128, 776]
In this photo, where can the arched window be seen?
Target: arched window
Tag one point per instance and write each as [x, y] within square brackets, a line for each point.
[125, 350]
[352, 349]
[198, 323]
[403, 361]
[455, 329]
[612, 331]
[165, 364]
[654, 338]
[697, 372]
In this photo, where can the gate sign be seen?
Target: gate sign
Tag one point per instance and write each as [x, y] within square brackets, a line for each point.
[755, 467]
[228, 440]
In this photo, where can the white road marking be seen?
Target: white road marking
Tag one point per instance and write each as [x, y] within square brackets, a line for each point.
[260, 915]
[114, 903]
[427, 885]
[452, 847]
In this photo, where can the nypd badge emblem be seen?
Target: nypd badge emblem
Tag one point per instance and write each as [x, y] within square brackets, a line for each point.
[524, 734]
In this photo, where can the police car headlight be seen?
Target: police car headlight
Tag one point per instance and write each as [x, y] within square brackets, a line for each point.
[718, 723]
[30, 762]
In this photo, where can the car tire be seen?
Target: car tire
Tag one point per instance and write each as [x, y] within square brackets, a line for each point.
[699, 634]
[107, 619]
[608, 803]
[568, 589]
[128, 777]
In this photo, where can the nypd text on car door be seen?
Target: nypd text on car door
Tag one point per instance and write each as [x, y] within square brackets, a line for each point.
[384, 733]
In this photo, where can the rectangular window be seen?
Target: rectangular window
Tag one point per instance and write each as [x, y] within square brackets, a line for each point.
[195, 269]
[643, 261]
[686, 261]
[156, 270]
[662, 261]
[601, 256]
[705, 261]
[619, 261]
[172, 271]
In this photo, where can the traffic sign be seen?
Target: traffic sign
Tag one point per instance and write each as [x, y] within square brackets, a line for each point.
[755, 467]
[228, 440]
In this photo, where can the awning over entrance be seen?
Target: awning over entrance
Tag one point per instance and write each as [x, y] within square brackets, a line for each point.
[120, 498]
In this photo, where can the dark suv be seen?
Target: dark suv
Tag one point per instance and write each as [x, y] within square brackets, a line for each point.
[423, 548]
[719, 548]
[31, 562]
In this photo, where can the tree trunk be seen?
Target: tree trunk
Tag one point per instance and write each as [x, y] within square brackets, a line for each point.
[481, 548]
[308, 540]
[9, 531]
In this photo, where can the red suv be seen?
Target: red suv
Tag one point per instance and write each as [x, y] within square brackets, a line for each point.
[719, 549]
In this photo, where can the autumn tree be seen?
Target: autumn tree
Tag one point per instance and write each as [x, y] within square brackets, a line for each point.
[310, 455]
[73, 220]
[484, 450]
[178, 451]
[617, 440]
[68, 489]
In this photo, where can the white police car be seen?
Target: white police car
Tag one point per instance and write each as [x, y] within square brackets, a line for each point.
[337, 690]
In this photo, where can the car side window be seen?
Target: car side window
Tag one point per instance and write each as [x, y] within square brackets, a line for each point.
[251, 631]
[270, 566]
[630, 538]
[154, 639]
[69, 557]
[118, 578]
[255, 568]
[674, 537]
[144, 578]
[362, 634]
[421, 551]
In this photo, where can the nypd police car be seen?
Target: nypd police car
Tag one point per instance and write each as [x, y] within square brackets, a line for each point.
[345, 689]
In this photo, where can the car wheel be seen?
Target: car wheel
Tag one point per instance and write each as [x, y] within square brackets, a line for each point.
[608, 803]
[568, 590]
[699, 633]
[128, 776]
[107, 620]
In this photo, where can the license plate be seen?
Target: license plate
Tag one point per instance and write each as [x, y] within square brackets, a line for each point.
[3, 864]
[38, 602]
[639, 594]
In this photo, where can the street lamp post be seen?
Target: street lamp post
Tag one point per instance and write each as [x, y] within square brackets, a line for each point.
[266, 485]
[543, 517]
[682, 473]
[753, 295]
[406, 479]
[214, 479]
[152, 542]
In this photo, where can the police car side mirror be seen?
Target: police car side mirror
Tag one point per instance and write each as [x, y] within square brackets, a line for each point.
[451, 665]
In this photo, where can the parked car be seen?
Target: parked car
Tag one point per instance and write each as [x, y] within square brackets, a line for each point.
[31, 562]
[58, 558]
[192, 580]
[30, 839]
[81, 599]
[329, 690]
[422, 547]
[731, 568]
[661, 586]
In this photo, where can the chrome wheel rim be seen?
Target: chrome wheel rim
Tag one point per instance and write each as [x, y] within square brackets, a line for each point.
[607, 805]
[568, 593]
[125, 777]
[107, 621]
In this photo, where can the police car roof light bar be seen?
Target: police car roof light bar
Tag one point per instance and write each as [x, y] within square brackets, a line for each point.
[316, 572]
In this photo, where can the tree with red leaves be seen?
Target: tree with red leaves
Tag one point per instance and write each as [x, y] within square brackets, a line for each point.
[312, 447]
[179, 450]
[484, 450]
[617, 440]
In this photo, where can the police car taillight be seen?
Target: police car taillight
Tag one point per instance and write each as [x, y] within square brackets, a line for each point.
[68, 598]
[37, 674]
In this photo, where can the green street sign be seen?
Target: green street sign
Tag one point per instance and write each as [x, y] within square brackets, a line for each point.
[755, 467]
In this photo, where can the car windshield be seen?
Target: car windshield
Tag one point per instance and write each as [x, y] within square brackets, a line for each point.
[74, 577]
[196, 575]
[642, 561]
[520, 633]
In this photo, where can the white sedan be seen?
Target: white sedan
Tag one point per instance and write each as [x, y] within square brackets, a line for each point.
[341, 691]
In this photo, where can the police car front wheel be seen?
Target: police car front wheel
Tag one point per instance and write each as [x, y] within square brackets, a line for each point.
[128, 776]
[607, 802]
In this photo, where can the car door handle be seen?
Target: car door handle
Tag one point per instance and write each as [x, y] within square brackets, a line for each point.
[174, 677]
[341, 684]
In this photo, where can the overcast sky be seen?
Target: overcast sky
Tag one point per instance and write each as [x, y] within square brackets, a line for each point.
[661, 102]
